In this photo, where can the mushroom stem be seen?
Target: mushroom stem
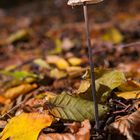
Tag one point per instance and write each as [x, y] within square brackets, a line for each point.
[95, 105]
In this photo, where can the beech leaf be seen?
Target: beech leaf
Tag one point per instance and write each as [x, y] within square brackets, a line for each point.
[73, 108]
[106, 81]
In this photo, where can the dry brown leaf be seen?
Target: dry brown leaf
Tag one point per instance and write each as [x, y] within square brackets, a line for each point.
[3, 100]
[131, 68]
[2, 123]
[33, 102]
[127, 125]
[21, 89]
[83, 133]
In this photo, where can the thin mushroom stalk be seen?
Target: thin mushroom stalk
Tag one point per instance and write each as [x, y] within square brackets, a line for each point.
[85, 3]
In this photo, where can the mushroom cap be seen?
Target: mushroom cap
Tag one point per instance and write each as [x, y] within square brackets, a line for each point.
[80, 2]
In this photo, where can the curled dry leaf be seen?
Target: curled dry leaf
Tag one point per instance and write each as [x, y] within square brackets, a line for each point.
[127, 125]
[21, 89]
[77, 133]
[34, 102]
[26, 126]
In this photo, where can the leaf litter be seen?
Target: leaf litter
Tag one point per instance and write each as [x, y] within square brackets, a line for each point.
[45, 89]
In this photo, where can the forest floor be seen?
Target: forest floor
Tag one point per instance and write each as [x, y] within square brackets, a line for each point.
[44, 71]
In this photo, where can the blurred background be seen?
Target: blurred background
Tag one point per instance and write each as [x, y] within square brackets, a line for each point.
[38, 28]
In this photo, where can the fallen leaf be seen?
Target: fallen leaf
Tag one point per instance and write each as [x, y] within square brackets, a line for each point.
[67, 44]
[113, 35]
[16, 91]
[75, 71]
[4, 100]
[81, 133]
[26, 126]
[109, 78]
[58, 48]
[17, 36]
[18, 74]
[129, 85]
[61, 63]
[73, 108]
[131, 69]
[127, 125]
[57, 74]
[42, 63]
[2, 123]
[129, 94]
[106, 81]
[74, 61]
[84, 86]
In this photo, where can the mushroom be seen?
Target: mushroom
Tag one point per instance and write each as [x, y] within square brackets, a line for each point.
[80, 2]
[85, 3]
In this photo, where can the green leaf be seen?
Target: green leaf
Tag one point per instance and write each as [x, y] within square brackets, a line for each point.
[40, 62]
[17, 36]
[58, 48]
[106, 81]
[73, 108]
[110, 79]
[18, 74]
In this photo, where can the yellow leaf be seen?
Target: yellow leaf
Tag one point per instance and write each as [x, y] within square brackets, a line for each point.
[74, 61]
[26, 126]
[58, 61]
[130, 85]
[84, 86]
[19, 35]
[58, 48]
[58, 74]
[113, 35]
[129, 94]
[75, 71]
[21, 89]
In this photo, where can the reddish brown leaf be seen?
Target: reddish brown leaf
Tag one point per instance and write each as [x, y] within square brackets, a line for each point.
[128, 125]
[83, 133]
